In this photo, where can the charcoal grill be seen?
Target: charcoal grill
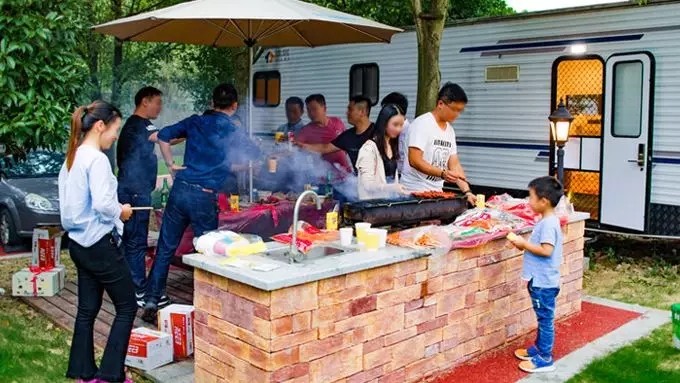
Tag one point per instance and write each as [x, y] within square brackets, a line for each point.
[405, 211]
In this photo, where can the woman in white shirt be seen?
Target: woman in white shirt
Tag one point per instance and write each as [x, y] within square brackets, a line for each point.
[378, 157]
[91, 214]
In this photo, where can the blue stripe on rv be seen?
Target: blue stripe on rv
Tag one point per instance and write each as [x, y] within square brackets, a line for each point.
[554, 43]
[543, 150]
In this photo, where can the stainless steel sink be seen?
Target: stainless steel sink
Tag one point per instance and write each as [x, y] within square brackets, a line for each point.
[316, 252]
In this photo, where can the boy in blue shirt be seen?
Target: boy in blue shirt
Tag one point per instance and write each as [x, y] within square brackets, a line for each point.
[541, 268]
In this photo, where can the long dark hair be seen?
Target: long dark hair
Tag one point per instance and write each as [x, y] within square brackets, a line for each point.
[386, 113]
[83, 119]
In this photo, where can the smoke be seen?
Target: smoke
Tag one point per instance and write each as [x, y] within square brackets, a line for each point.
[295, 169]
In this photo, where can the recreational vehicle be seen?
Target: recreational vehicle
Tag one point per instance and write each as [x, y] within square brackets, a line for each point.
[616, 67]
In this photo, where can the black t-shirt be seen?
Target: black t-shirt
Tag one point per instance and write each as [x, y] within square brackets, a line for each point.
[137, 162]
[351, 142]
[390, 167]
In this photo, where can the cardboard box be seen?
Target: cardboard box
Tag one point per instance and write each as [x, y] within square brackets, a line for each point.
[178, 321]
[148, 349]
[26, 283]
[46, 247]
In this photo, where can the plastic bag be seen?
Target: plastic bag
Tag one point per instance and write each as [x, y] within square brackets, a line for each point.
[307, 236]
[490, 220]
[228, 243]
[425, 237]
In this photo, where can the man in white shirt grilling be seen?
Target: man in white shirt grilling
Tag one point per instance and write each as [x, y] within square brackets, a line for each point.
[432, 152]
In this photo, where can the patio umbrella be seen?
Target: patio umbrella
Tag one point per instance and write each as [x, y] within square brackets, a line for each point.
[249, 23]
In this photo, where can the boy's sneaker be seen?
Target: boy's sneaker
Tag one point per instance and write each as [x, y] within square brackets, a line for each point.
[87, 381]
[537, 364]
[526, 353]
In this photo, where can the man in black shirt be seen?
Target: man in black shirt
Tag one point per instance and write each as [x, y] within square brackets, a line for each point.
[137, 172]
[351, 140]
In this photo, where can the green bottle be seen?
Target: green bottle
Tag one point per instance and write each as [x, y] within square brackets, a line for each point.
[329, 185]
[165, 193]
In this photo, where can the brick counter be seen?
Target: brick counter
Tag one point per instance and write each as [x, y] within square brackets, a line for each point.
[396, 323]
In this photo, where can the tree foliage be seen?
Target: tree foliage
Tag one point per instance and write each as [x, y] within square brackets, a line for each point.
[399, 13]
[39, 84]
[429, 17]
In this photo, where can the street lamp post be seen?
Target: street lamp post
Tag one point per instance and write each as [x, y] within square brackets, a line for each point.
[560, 121]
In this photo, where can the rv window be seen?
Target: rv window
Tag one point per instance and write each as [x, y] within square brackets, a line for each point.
[267, 89]
[627, 99]
[364, 80]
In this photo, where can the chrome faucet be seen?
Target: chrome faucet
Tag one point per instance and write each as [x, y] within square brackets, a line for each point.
[294, 254]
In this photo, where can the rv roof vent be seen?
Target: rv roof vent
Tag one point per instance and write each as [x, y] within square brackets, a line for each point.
[502, 73]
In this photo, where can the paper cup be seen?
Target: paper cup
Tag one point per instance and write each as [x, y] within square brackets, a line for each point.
[382, 236]
[361, 228]
[279, 136]
[273, 162]
[346, 236]
[371, 239]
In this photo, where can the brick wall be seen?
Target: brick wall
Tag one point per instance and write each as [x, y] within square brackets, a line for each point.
[397, 323]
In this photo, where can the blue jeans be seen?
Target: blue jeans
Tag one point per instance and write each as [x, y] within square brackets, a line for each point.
[543, 300]
[187, 204]
[135, 237]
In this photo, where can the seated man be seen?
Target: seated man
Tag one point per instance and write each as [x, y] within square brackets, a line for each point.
[294, 111]
[432, 152]
[351, 140]
[323, 130]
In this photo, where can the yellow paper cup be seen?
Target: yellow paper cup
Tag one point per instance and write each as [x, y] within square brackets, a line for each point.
[371, 239]
[360, 228]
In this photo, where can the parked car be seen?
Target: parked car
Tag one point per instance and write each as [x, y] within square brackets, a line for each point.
[29, 194]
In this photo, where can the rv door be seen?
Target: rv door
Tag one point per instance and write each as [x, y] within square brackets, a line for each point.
[626, 146]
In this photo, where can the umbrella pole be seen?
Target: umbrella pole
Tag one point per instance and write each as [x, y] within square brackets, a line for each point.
[250, 118]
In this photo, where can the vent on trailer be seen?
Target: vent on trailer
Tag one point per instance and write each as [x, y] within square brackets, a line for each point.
[502, 73]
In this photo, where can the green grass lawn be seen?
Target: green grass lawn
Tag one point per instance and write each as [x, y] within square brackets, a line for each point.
[32, 349]
[649, 360]
[651, 283]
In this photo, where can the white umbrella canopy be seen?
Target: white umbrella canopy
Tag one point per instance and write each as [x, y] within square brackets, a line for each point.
[233, 23]
[238, 23]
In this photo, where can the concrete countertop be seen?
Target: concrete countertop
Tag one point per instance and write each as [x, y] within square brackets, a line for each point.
[285, 274]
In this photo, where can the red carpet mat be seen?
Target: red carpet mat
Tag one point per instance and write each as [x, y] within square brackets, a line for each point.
[501, 366]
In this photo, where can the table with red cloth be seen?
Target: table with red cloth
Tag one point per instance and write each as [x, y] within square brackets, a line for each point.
[264, 220]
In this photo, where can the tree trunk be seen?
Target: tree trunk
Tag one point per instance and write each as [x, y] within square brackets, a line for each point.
[239, 60]
[93, 66]
[117, 82]
[429, 28]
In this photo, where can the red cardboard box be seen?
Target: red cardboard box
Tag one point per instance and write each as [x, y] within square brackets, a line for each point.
[46, 247]
[178, 321]
[148, 349]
